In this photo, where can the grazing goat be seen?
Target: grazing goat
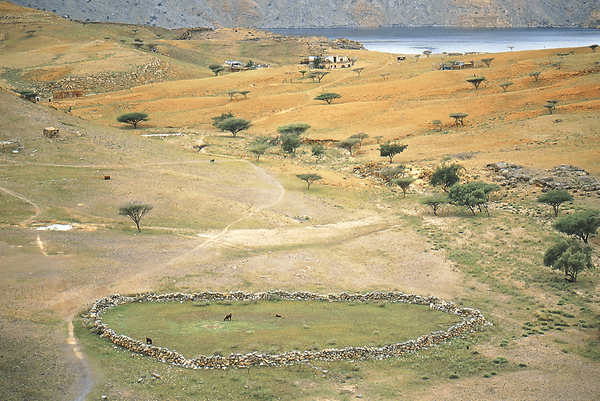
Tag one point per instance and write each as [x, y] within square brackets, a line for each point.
[148, 341]
[228, 317]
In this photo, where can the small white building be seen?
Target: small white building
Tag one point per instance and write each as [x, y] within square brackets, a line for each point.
[335, 61]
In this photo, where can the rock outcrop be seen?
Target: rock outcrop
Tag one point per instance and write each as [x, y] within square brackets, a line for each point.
[329, 13]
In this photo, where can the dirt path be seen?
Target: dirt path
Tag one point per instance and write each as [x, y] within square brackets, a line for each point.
[36, 208]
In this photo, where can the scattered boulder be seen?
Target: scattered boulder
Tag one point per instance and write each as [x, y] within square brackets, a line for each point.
[562, 177]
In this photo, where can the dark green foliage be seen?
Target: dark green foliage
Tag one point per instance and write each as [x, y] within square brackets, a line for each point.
[295, 128]
[445, 176]
[317, 75]
[290, 143]
[580, 224]
[348, 144]
[593, 47]
[473, 195]
[233, 125]
[555, 198]
[216, 68]
[328, 97]
[487, 61]
[570, 256]
[435, 202]
[390, 150]
[318, 151]
[224, 116]
[259, 149]
[476, 81]
[391, 173]
[505, 85]
[135, 211]
[361, 136]
[404, 183]
[459, 118]
[309, 178]
[28, 94]
[133, 118]
[551, 105]
[535, 75]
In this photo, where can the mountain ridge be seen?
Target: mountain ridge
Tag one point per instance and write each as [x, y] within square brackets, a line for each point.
[330, 13]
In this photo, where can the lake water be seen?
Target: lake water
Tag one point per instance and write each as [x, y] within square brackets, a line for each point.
[456, 40]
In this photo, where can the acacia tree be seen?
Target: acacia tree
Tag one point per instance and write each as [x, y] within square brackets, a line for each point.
[505, 85]
[318, 151]
[328, 97]
[259, 149]
[535, 75]
[133, 118]
[404, 183]
[580, 224]
[570, 256]
[487, 61]
[445, 176]
[135, 211]
[476, 81]
[390, 150]
[473, 195]
[361, 136]
[295, 128]
[435, 202]
[555, 198]
[233, 125]
[358, 70]
[317, 75]
[349, 144]
[551, 105]
[216, 69]
[309, 178]
[389, 174]
[593, 47]
[437, 124]
[290, 142]
[459, 118]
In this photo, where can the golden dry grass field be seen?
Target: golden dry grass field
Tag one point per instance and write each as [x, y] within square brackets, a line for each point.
[224, 221]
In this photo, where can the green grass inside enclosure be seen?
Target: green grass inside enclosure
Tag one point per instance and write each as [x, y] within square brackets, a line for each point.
[197, 328]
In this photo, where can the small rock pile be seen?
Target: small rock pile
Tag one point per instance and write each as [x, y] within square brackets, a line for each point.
[565, 177]
[472, 320]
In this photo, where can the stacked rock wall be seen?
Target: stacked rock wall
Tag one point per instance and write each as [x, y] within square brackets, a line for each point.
[472, 320]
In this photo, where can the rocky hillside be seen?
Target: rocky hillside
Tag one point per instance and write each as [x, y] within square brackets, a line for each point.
[330, 13]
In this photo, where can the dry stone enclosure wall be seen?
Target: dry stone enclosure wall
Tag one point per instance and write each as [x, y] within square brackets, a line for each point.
[472, 320]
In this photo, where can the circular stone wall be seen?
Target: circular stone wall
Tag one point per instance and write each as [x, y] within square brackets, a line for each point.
[472, 319]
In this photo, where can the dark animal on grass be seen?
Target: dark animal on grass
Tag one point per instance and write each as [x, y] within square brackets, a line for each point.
[148, 340]
[276, 315]
[212, 160]
[228, 317]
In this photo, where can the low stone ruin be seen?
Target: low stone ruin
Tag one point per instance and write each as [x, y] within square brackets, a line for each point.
[473, 319]
[565, 177]
[50, 132]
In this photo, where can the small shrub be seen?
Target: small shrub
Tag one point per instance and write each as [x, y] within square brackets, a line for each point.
[499, 360]
[522, 365]
[453, 376]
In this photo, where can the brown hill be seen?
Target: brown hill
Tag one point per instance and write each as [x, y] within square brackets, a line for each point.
[329, 13]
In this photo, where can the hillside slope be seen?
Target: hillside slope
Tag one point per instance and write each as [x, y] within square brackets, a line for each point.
[330, 13]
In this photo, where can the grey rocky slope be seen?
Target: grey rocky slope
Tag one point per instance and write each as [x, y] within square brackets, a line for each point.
[330, 13]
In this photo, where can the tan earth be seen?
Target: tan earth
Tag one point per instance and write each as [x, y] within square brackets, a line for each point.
[241, 224]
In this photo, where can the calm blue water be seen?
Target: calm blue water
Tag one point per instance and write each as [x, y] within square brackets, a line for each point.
[456, 40]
